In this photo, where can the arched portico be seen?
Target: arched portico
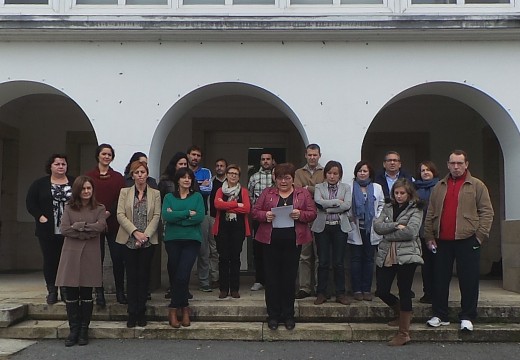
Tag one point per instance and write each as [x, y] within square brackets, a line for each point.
[229, 120]
[434, 118]
[36, 120]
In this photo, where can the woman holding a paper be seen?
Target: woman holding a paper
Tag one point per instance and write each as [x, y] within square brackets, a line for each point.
[283, 212]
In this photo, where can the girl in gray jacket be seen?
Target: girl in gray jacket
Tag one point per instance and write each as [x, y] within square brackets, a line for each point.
[399, 252]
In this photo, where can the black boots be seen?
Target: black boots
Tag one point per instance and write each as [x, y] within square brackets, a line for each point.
[52, 296]
[86, 315]
[73, 314]
[100, 297]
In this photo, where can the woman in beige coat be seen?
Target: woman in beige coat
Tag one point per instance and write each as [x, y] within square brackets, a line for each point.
[138, 213]
[80, 263]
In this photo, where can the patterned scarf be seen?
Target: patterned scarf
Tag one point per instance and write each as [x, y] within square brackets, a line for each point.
[232, 193]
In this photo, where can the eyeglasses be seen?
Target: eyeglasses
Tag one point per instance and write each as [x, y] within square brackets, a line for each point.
[233, 173]
[392, 160]
[284, 178]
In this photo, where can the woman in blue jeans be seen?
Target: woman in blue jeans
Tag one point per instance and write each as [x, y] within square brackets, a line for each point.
[331, 229]
[367, 202]
[182, 212]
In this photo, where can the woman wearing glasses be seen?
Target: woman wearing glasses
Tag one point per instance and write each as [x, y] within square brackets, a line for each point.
[283, 244]
[230, 228]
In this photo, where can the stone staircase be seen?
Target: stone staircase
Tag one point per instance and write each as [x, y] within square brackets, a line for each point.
[244, 319]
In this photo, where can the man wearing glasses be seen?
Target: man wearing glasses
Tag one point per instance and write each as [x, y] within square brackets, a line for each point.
[458, 220]
[391, 172]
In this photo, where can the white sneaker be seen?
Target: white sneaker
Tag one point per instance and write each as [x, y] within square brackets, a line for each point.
[256, 287]
[466, 325]
[436, 322]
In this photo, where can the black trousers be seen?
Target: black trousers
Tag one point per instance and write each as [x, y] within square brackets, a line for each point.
[138, 264]
[467, 255]
[229, 241]
[427, 271]
[385, 277]
[281, 259]
[79, 293]
[51, 251]
[117, 256]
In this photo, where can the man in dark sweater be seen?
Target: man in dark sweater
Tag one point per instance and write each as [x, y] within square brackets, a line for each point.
[391, 172]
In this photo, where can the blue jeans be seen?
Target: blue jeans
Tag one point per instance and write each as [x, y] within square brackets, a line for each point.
[181, 257]
[332, 239]
[362, 264]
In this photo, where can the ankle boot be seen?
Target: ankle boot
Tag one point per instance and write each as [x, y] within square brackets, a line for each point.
[100, 297]
[120, 296]
[403, 335]
[173, 319]
[73, 316]
[86, 315]
[186, 317]
[397, 309]
[52, 296]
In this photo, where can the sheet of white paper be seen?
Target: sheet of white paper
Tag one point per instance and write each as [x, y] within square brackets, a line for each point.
[282, 218]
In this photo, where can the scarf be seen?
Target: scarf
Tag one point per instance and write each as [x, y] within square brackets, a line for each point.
[364, 209]
[232, 193]
[424, 188]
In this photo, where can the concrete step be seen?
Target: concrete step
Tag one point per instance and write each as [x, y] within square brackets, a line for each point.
[12, 313]
[247, 310]
[258, 331]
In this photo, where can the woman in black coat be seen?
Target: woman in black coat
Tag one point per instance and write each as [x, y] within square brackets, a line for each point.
[45, 201]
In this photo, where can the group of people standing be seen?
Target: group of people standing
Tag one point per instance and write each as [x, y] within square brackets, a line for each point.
[388, 218]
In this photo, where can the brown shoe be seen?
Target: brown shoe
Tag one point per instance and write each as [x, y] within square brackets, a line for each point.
[223, 294]
[320, 299]
[186, 317]
[172, 318]
[235, 295]
[343, 299]
[367, 296]
[358, 296]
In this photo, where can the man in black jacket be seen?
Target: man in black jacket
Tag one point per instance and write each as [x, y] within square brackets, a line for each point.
[391, 172]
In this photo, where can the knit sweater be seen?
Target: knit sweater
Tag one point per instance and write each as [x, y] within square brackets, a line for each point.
[179, 225]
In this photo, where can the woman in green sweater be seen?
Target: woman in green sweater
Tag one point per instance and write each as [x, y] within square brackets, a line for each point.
[183, 212]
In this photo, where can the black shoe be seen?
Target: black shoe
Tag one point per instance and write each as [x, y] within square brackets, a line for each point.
[301, 294]
[149, 296]
[272, 324]
[52, 298]
[141, 320]
[121, 298]
[290, 324]
[132, 321]
[426, 299]
[52, 295]
[412, 294]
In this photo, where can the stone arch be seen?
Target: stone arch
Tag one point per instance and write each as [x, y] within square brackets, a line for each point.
[207, 92]
[36, 119]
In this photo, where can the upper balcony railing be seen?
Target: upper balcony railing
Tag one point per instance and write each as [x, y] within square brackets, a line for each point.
[257, 7]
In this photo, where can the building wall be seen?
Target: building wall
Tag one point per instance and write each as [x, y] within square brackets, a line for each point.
[331, 91]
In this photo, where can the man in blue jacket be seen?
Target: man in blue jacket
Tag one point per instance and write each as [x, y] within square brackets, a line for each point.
[203, 176]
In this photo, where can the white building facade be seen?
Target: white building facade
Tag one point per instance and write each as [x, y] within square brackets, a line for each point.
[358, 77]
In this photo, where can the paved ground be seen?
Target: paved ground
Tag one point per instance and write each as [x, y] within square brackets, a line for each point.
[30, 287]
[225, 350]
